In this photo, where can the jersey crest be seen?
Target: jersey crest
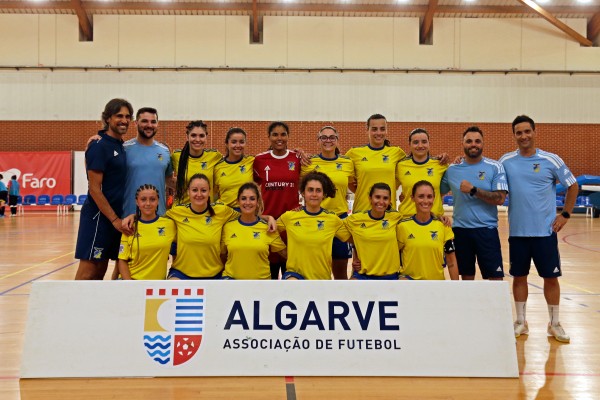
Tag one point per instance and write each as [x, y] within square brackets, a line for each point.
[429, 171]
[434, 235]
[161, 231]
[386, 158]
[411, 236]
[242, 169]
[385, 224]
[481, 175]
[536, 167]
[203, 165]
[320, 225]
[291, 166]
[256, 235]
[338, 166]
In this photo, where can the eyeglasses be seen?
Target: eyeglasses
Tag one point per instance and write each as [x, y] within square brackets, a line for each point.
[331, 138]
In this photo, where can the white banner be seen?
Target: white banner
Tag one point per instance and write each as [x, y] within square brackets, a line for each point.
[272, 328]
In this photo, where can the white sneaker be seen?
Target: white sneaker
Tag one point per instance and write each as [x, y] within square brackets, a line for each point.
[521, 328]
[559, 333]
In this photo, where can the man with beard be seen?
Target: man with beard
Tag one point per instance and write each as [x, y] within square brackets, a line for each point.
[100, 224]
[479, 186]
[148, 161]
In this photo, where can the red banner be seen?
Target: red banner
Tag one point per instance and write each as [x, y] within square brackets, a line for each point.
[47, 172]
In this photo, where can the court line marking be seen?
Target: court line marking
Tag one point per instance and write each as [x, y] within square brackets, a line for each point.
[34, 266]
[290, 388]
[35, 279]
[564, 239]
[528, 373]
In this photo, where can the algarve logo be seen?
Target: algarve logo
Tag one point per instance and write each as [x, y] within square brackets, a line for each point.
[173, 324]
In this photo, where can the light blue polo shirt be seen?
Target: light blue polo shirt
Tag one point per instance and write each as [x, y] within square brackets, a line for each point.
[469, 211]
[532, 191]
[146, 164]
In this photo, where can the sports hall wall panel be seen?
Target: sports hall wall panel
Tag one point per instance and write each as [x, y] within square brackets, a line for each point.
[170, 41]
[303, 96]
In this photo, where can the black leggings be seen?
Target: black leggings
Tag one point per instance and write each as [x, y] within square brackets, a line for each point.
[12, 202]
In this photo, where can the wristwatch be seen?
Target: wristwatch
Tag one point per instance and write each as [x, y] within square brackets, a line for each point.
[473, 191]
[565, 214]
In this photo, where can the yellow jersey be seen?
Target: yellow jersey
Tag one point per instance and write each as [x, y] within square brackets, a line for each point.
[204, 164]
[375, 242]
[422, 248]
[309, 241]
[247, 247]
[340, 170]
[371, 166]
[199, 239]
[147, 251]
[228, 177]
[410, 172]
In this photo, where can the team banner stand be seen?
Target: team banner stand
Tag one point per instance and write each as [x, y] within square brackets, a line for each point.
[270, 328]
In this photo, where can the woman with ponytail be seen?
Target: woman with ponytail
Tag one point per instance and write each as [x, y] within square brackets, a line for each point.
[234, 170]
[374, 162]
[193, 159]
[144, 255]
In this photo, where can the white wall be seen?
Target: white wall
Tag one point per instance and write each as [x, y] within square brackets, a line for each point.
[173, 41]
[337, 96]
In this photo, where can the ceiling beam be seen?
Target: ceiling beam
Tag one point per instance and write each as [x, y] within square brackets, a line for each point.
[556, 22]
[84, 22]
[427, 21]
[593, 28]
[90, 6]
[255, 33]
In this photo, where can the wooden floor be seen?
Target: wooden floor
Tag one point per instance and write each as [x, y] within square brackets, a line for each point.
[40, 247]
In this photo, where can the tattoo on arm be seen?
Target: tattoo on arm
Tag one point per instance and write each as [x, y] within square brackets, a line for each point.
[489, 197]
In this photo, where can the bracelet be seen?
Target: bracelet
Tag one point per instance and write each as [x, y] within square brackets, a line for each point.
[113, 221]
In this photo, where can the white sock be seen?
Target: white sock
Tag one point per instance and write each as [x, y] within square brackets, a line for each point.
[520, 307]
[553, 314]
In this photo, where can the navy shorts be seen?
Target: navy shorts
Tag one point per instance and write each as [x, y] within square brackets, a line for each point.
[543, 250]
[175, 273]
[482, 244]
[289, 274]
[97, 238]
[341, 250]
[362, 277]
[4, 196]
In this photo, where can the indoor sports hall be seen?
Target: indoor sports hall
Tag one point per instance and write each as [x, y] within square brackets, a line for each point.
[439, 65]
